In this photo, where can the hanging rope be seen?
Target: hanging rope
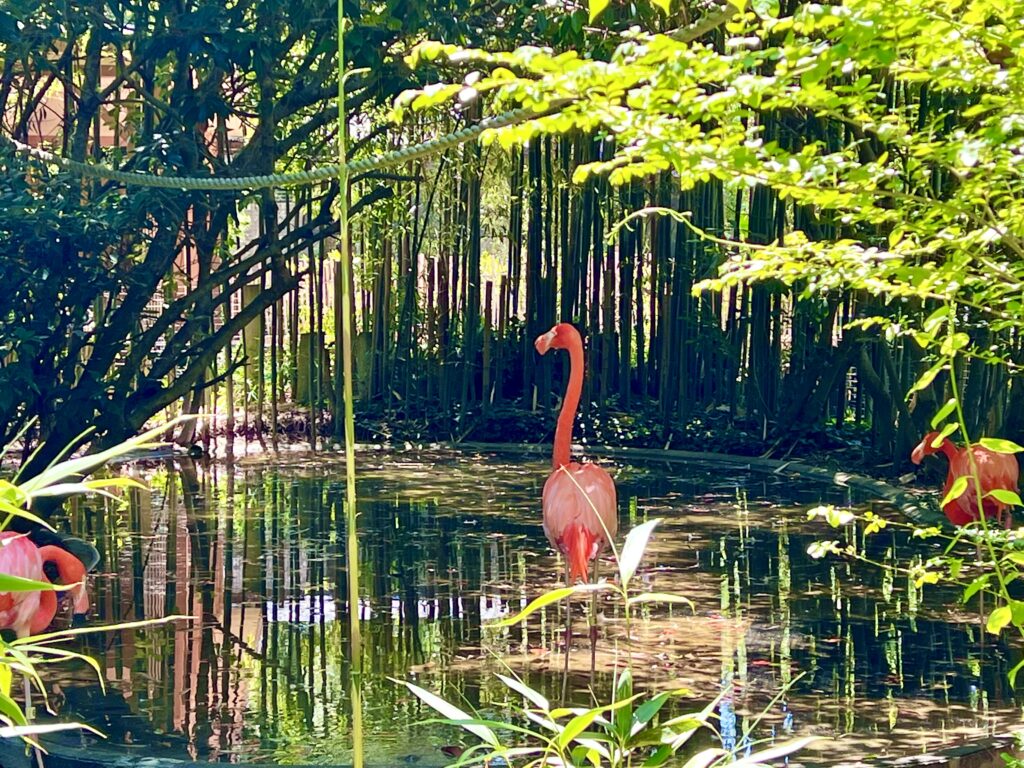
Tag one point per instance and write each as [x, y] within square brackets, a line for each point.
[293, 179]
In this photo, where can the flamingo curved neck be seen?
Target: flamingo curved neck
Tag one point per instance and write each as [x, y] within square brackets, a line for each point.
[69, 567]
[571, 401]
[949, 449]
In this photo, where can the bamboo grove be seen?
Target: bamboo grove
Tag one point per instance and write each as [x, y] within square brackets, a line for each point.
[226, 303]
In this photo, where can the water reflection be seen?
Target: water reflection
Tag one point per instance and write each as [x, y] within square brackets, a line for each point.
[448, 543]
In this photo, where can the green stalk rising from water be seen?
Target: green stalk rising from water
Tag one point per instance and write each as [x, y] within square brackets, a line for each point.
[351, 546]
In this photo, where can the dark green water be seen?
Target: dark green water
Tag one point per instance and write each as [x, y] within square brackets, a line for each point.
[451, 541]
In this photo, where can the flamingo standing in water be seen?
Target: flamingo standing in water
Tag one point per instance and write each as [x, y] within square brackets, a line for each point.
[29, 613]
[996, 471]
[580, 510]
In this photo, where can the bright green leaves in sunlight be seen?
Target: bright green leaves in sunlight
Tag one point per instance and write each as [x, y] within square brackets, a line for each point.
[956, 490]
[629, 730]
[997, 445]
[596, 8]
[633, 550]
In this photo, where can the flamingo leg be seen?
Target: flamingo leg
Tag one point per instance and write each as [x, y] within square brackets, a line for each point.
[593, 621]
[568, 635]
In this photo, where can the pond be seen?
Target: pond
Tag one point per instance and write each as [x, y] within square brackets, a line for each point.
[449, 542]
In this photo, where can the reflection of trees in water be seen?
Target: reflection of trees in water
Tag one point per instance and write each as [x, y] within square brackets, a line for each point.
[257, 555]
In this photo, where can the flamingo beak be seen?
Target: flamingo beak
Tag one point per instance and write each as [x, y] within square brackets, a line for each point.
[81, 599]
[918, 453]
[544, 341]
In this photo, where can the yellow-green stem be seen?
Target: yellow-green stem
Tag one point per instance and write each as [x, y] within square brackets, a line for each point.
[352, 543]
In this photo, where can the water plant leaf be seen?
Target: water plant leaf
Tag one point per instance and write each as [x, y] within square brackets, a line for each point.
[772, 754]
[10, 710]
[450, 711]
[633, 550]
[646, 712]
[998, 445]
[10, 583]
[659, 756]
[537, 699]
[24, 731]
[13, 509]
[943, 412]
[998, 619]
[576, 726]
[956, 491]
[552, 596]
[705, 757]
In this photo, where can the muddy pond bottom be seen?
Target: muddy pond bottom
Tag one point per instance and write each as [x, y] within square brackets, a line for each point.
[450, 542]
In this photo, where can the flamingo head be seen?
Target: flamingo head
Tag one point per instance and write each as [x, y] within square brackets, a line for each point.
[925, 448]
[69, 570]
[559, 337]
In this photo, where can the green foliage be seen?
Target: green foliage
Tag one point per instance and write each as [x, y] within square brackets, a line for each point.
[26, 656]
[620, 733]
[905, 140]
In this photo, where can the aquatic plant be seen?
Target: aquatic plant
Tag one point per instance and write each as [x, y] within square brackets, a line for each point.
[626, 729]
[26, 656]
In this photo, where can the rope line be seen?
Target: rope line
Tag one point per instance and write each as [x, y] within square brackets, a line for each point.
[292, 179]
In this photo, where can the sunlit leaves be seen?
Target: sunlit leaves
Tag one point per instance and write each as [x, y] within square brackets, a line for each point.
[956, 490]
[819, 549]
[943, 413]
[596, 8]
[1005, 496]
[633, 550]
[998, 619]
[998, 445]
[452, 712]
[834, 516]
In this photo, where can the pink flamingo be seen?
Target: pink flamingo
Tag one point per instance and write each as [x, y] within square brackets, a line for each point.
[996, 471]
[30, 613]
[580, 509]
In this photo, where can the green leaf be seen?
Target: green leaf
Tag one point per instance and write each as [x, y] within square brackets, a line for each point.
[547, 599]
[1006, 497]
[537, 699]
[451, 712]
[646, 712]
[926, 378]
[662, 754]
[596, 8]
[998, 619]
[975, 586]
[10, 710]
[770, 755]
[664, 5]
[943, 412]
[623, 691]
[10, 583]
[956, 491]
[739, 5]
[998, 445]
[1012, 674]
[633, 550]
[947, 430]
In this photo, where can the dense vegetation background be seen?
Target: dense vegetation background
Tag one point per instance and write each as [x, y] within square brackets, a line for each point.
[116, 304]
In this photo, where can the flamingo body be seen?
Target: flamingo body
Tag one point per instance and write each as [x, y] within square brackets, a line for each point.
[570, 522]
[20, 557]
[996, 471]
[579, 501]
[29, 613]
